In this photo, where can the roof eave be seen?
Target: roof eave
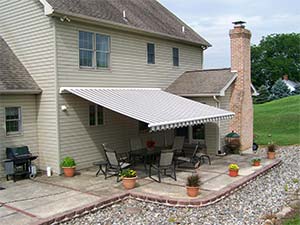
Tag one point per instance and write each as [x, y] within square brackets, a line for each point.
[200, 95]
[20, 91]
[123, 27]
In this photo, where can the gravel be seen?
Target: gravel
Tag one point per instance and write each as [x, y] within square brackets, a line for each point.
[266, 194]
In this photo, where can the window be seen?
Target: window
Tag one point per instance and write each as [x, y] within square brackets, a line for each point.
[96, 115]
[150, 53]
[183, 131]
[175, 57]
[94, 50]
[199, 132]
[13, 122]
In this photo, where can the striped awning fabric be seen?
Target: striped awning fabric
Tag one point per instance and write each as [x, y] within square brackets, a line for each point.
[159, 109]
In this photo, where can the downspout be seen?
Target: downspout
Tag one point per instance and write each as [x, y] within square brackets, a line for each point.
[219, 138]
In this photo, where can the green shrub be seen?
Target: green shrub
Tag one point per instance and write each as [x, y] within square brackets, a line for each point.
[68, 162]
[256, 160]
[193, 181]
[129, 173]
[233, 166]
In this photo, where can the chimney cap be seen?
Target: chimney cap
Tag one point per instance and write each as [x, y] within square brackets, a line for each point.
[239, 23]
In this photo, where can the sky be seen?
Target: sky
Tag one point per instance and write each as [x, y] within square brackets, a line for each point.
[212, 19]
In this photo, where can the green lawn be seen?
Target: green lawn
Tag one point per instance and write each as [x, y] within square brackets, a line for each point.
[281, 119]
[293, 221]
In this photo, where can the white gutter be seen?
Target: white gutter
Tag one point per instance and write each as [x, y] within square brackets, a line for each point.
[219, 124]
[21, 91]
[48, 9]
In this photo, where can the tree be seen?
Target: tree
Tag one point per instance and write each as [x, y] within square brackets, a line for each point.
[264, 95]
[297, 90]
[274, 56]
[279, 90]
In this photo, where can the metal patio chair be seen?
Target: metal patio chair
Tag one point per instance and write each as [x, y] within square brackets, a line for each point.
[202, 154]
[178, 145]
[165, 163]
[193, 159]
[114, 164]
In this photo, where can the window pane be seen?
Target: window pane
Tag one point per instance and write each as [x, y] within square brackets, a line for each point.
[12, 113]
[85, 40]
[151, 53]
[102, 59]
[86, 58]
[175, 56]
[92, 112]
[102, 43]
[183, 131]
[12, 126]
[199, 132]
[100, 115]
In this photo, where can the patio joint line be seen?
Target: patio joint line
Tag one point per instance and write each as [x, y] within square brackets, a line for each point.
[18, 210]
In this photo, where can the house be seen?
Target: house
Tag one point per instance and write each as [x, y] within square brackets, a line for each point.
[75, 74]
[290, 84]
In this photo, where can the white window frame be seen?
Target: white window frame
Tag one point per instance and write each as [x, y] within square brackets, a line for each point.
[20, 122]
[191, 139]
[96, 107]
[94, 50]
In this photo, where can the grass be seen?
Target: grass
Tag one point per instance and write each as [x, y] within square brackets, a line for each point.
[278, 121]
[293, 221]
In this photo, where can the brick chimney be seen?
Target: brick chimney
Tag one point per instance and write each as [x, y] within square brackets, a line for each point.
[241, 98]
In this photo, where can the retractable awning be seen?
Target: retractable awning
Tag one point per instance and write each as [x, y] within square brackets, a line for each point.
[159, 109]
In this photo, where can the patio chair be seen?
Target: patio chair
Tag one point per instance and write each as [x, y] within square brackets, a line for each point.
[193, 159]
[202, 154]
[114, 165]
[136, 143]
[178, 145]
[165, 162]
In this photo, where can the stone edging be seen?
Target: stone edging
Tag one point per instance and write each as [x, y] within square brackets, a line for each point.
[175, 202]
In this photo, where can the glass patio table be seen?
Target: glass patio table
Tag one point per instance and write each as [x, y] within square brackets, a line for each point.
[147, 155]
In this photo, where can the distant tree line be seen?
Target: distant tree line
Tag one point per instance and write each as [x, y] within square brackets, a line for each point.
[275, 56]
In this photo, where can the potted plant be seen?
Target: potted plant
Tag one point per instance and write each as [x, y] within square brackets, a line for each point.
[192, 185]
[256, 161]
[68, 165]
[150, 144]
[128, 178]
[233, 170]
[271, 151]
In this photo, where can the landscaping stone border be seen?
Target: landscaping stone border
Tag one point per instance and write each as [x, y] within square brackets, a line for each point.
[174, 202]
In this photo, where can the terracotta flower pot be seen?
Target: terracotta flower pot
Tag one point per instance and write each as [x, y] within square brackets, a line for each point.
[233, 173]
[69, 171]
[192, 191]
[256, 163]
[271, 155]
[129, 182]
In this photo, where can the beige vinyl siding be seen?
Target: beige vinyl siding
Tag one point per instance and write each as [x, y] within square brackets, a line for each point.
[212, 130]
[83, 142]
[128, 68]
[28, 136]
[30, 34]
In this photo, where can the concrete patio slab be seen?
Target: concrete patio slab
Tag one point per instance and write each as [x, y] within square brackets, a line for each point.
[51, 198]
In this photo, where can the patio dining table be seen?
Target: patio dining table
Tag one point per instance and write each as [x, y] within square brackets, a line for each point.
[146, 154]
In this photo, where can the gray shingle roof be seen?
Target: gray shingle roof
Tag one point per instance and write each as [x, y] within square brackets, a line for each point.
[202, 82]
[147, 15]
[13, 75]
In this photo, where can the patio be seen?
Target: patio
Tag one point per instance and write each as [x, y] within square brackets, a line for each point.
[29, 201]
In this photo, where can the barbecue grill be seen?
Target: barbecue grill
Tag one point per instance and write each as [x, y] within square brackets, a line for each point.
[18, 162]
